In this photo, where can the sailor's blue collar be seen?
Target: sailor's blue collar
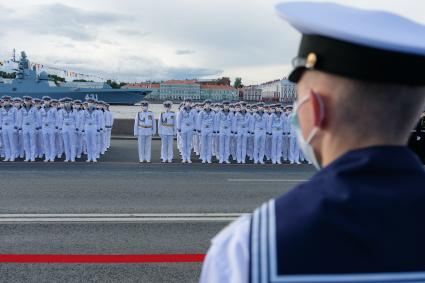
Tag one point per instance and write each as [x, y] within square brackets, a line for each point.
[386, 158]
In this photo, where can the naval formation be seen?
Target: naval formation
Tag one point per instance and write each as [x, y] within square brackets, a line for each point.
[237, 132]
[48, 129]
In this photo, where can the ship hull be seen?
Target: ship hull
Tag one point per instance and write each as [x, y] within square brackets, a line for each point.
[113, 97]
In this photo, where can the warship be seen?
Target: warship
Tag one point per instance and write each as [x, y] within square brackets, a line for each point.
[28, 82]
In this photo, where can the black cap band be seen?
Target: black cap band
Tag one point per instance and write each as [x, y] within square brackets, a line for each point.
[357, 61]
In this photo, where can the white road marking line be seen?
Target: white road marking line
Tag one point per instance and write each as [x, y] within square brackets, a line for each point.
[267, 180]
[135, 217]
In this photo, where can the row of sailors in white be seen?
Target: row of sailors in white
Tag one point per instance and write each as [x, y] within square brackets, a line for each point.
[49, 128]
[242, 131]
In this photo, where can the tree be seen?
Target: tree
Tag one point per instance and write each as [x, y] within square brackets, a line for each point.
[7, 75]
[113, 84]
[57, 79]
[82, 81]
[238, 83]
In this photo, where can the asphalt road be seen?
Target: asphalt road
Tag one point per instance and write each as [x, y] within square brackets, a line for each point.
[120, 185]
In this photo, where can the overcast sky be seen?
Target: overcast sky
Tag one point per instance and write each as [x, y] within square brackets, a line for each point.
[137, 40]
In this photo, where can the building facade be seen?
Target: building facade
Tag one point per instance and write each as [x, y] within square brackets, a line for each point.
[270, 91]
[182, 89]
[288, 93]
[251, 93]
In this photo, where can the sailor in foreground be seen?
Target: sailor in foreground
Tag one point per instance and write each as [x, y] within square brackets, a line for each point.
[144, 128]
[360, 218]
[167, 128]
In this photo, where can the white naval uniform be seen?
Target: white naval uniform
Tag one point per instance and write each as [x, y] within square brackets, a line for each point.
[59, 139]
[268, 148]
[68, 124]
[224, 122]
[101, 147]
[144, 128]
[241, 125]
[167, 128]
[250, 141]
[48, 124]
[206, 126]
[29, 124]
[196, 135]
[186, 126]
[260, 129]
[294, 151]
[109, 122]
[286, 137]
[79, 135]
[227, 260]
[276, 125]
[9, 125]
[19, 136]
[39, 149]
[91, 128]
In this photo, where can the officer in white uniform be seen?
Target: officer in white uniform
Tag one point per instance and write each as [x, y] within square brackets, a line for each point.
[241, 125]
[276, 126]
[186, 126]
[144, 128]
[286, 133]
[91, 129]
[29, 125]
[109, 122]
[68, 124]
[79, 128]
[260, 119]
[294, 150]
[9, 127]
[58, 104]
[167, 129]
[251, 109]
[206, 126]
[224, 122]
[48, 129]
[39, 148]
[17, 102]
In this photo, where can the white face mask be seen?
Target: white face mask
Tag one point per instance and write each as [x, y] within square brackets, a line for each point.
[304, 144]
[145, 108]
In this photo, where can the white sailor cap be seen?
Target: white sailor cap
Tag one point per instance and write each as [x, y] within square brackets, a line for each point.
[360, 44]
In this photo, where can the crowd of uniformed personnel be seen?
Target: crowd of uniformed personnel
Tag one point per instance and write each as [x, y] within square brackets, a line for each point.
[230, 132]
[47, 129]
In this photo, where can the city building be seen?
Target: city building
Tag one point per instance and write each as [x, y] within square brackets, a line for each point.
[288, 93]
[270, 91]
[219, 92]
[251, 93]
[194, 89]
[180, 90]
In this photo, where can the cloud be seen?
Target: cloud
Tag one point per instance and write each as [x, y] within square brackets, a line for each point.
[133, 32]
[184, 52]
[67, 21]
